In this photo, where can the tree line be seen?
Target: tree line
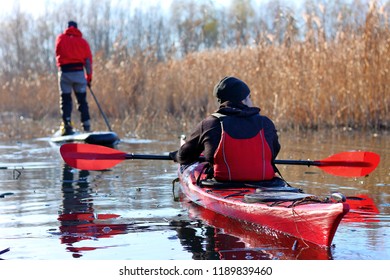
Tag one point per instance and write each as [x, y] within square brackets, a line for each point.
[323, 63]
[117, 28]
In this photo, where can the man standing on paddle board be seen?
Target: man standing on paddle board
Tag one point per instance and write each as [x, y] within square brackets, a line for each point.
[74, 62]
[238, 142]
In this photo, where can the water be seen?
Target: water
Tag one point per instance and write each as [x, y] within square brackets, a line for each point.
[49, 211]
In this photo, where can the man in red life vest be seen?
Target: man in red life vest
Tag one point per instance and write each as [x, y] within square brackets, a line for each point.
[73, 56]
[236, 140]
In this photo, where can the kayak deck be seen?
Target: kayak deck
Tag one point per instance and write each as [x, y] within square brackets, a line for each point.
[292, 212]
[105, 138]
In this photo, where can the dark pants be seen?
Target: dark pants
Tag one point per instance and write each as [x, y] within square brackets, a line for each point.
[68, 82]
[66, 106]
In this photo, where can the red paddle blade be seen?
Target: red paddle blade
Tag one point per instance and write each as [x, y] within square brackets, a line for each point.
[90, 157]
[350, 164]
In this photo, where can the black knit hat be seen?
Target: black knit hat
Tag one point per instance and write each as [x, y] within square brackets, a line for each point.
[231, 89]
[72, 23]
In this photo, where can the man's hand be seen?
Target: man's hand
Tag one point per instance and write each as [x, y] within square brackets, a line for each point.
[88, 77]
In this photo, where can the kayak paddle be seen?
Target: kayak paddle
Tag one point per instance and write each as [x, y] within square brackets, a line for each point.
[96, 157]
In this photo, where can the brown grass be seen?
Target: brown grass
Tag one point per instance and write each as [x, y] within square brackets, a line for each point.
[341, 82]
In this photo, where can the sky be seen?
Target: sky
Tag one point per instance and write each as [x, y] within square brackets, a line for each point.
[25, 5]
[35, 6]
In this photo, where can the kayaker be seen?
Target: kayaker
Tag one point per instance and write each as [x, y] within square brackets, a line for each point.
[238, 142]
[74, 62]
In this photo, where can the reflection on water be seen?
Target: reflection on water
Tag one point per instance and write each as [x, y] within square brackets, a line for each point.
[51, 211]
[78, 221]
[362, 209]
[229, 239]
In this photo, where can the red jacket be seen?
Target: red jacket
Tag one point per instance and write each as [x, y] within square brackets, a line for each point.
[72, 48]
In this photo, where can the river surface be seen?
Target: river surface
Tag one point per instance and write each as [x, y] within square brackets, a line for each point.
[49, 211]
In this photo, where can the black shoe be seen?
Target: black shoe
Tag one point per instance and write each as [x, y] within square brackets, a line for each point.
[87, 126]
[67, 129]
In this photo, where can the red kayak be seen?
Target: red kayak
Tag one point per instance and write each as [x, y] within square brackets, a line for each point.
[235, 240]
[277, 207]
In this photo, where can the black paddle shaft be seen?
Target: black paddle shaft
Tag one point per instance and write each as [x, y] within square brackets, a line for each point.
[287, 162]
[156, 157]
[324, 163]
[166, 157]
[298, 162]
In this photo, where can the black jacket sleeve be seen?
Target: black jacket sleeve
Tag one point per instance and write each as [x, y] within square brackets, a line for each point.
[271, 136]
[203, 141]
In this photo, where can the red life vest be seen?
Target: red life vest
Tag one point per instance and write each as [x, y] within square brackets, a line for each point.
[242, 159]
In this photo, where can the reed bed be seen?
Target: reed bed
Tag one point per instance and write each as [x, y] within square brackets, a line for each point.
[327, 83]
[334, 85]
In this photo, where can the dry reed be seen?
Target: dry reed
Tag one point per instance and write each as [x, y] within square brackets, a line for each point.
[341, 82]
